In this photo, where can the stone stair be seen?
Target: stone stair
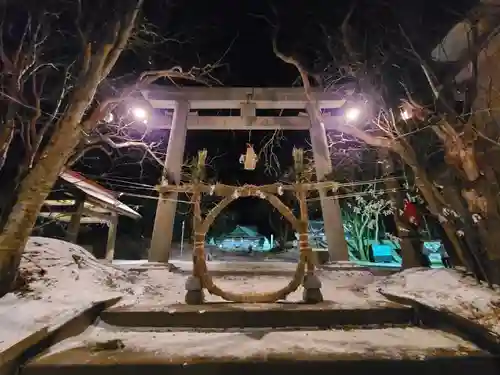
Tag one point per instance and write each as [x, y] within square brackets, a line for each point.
[226, 338]
[271, 315]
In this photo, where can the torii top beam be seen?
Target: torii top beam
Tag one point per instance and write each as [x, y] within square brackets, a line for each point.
[248, 100]
[234, 97]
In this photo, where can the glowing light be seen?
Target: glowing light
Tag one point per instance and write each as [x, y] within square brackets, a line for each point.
[352, 114]
[140, 113]
[109, 117]
[405, 114]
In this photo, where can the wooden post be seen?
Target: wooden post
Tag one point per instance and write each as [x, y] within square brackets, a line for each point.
[332, 218]
[110, 244]
[311, 282]
[301, 195]
[194, 286]
[161, 240]
[304, 245]
[76, 218]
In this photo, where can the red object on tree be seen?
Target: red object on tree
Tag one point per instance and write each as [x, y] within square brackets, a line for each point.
[410, 213]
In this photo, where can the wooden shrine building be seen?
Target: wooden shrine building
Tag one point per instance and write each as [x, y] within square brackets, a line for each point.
[76, 200]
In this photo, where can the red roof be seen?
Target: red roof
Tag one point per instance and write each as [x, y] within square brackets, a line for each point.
[68, 174]
[99, 194]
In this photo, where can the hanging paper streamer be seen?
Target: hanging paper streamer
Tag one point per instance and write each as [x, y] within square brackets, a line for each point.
[410, 213]
[249, 159]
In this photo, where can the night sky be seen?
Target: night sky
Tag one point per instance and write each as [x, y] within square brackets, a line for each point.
[239, 32]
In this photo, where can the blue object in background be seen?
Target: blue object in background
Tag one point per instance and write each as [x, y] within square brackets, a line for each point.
[433, 250]
[382, 253]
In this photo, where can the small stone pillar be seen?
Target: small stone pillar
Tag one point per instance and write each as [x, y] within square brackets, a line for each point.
[311, 283]
[312, 288]
[194, 291]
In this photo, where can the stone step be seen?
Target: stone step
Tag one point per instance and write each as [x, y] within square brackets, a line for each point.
[231, 315]
[483, 365]
[111, 350]
[239, 268]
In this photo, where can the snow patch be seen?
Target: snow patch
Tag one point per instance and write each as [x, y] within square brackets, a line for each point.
[175, 346]
[344, 288]
[56, 270]
[447, 290]
[58, 282]
[61, 280]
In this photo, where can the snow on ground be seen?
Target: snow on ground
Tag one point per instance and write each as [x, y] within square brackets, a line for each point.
[345, 288]
[195, 346]
[448, 290]
[343, 285]
[62, 279]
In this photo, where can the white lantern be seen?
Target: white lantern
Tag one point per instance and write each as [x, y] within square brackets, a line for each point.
[249, 159]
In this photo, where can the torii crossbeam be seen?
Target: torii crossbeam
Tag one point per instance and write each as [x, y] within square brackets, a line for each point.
[182, 107]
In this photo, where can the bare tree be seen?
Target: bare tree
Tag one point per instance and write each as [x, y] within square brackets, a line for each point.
[389, 130]
[23, 79]
[76, 115]
[62, 129]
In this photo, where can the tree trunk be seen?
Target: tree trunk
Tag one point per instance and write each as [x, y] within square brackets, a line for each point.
[435, 201]
[410, 248]
[10, 194]
[38, 183]
[35, 187]
[480, 190]
[485, 148]
[471, 240]
[33, 192]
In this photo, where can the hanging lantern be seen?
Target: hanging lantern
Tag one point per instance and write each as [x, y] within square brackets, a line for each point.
[249, 159]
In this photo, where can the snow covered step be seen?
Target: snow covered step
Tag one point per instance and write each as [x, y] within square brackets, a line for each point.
[249, 268]
[110, 350]
[228, 315]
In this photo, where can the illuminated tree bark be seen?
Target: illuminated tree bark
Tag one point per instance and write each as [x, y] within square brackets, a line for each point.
[97, 62]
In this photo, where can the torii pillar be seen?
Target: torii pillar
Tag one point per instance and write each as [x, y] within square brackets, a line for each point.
[161, 241]
[332, 217]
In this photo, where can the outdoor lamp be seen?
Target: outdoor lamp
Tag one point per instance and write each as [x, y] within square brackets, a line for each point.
[352, 114]
[140, 113]
[405, 114]
[357, 110]
[109, 118]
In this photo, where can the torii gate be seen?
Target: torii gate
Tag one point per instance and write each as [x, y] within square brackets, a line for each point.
[184, 104]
